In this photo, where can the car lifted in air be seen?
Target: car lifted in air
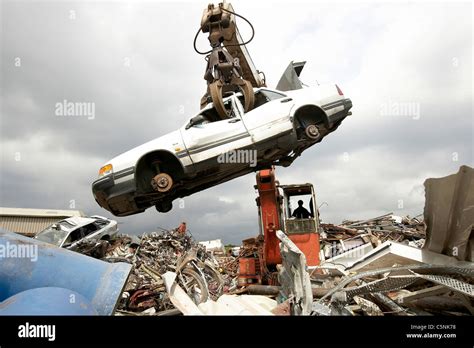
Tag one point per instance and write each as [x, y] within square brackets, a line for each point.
[279, 127]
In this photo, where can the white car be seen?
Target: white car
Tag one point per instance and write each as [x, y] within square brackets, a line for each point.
[68, 233]
[207, 150]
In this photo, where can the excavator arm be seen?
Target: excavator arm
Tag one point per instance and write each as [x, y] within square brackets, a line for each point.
[229, 66]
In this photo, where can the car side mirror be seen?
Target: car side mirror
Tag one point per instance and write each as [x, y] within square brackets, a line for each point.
[195, 120]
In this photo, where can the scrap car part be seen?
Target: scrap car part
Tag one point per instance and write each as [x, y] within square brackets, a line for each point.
[367, 306]
[381, 285]
[449, 214]
[419, 269]
[162, 182]
[453, 284]
[312, 132]
[290, 79]
[294, 276]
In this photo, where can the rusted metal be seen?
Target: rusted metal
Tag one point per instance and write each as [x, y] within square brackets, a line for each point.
[156, 253]
[294, 277]
[162, 182]
[449, 214]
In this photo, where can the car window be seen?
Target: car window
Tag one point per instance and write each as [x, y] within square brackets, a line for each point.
[101, 224]
[272, 95]
[52, 235]
[211, 114]
[202, 121]
[263, 96]
[74, 236]
[90, 228]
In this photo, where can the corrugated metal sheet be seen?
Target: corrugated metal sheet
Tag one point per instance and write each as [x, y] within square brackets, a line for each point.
[449, 214]
[31, 221]
[39, 212]
[27, 225]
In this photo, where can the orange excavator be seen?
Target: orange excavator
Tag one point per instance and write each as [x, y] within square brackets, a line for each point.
[276, 207]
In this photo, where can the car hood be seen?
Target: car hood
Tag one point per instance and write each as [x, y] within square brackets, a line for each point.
[128, 159]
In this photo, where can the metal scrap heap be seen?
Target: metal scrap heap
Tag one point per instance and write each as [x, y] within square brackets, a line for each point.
[391, 227]
[415, 289]
[155, 254]
[336, 239]
[384, 266]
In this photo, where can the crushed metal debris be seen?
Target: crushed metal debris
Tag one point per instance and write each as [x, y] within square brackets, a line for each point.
[386, 265]
[363, 271]
[347, 288]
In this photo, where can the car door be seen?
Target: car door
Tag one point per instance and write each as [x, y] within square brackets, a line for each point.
[271, 115]
[73, 237]
[208, 140]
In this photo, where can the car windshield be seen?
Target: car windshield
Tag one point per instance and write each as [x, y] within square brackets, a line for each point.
[52, 235]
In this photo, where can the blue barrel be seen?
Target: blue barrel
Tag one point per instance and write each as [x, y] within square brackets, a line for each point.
[27, 264]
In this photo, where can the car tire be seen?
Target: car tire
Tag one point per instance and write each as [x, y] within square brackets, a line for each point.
[312, 132]
[164, 207]
[162, 182]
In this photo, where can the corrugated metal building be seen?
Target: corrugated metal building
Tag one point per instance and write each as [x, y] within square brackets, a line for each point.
[30, 221]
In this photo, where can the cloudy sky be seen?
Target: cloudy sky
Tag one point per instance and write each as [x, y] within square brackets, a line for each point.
[406, 66]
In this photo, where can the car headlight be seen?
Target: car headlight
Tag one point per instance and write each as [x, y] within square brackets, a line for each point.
[105, 170]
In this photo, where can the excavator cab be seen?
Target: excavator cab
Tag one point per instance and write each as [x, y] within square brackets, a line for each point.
[301, 221]
[293, 221]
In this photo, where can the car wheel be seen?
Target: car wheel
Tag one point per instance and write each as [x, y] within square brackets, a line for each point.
[312, 132]
[164, 207]
[162, 182]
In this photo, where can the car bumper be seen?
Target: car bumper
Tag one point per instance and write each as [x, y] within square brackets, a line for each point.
[116, 196]
[340, 115]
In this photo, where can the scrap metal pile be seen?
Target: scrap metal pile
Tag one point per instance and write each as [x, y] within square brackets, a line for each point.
[417, 289]
[336, 239]
[370, 267]
[152, 255]
[381, 266]
[387, 265]
[391, 227]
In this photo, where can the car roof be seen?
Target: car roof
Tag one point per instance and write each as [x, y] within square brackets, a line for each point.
[77, 221]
